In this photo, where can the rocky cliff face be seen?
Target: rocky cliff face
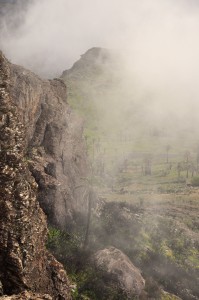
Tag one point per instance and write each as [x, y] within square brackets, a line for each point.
[53, 138]
[24, 261]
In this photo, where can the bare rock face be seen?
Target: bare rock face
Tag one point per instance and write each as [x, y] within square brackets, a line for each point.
[126, 277]
[27, 296]
[25, 263]
[53, 138]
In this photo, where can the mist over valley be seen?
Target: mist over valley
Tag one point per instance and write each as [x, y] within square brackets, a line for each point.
[112, 144]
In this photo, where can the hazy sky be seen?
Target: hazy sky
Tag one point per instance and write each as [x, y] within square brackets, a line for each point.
[156, 33]
[157, 39]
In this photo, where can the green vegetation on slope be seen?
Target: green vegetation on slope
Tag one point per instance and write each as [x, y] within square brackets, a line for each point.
[146, 168]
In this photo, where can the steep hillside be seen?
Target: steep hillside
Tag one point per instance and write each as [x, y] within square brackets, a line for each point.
[116, 106]
[93, 82]
[25, 264]
[145, 165]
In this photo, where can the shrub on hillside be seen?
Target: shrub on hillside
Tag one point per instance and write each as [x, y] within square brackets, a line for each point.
[195, 181]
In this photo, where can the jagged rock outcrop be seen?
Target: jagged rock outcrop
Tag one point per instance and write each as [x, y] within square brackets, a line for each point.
[92, 62]
[53, 137]
[25, 264]
[119, 270]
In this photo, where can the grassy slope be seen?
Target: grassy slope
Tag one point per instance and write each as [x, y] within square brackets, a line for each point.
[166, 208]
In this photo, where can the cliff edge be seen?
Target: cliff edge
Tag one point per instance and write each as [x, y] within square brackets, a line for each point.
[25, 264]
[56, 151]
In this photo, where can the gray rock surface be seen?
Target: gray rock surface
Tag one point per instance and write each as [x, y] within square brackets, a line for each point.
[25, 264]
[115, 263]
[26, 295]
[56, 149]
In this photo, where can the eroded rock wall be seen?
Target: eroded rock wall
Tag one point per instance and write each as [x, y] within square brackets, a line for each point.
[25, 263]
[55, 149]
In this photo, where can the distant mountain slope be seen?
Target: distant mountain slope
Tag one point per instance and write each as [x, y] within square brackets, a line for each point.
[88, 81]
[103, 89]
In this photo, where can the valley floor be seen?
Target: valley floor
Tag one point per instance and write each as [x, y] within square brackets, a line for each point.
[163, 241]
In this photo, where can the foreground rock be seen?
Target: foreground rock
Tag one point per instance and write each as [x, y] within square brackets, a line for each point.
[124, 276]
[25, 264]
[27, 296]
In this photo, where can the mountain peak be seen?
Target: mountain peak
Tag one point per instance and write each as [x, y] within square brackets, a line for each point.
[96, 53]
[93, 60]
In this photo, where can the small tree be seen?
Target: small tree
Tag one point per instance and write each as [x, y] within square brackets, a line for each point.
[147, 164]
[168, 147]
[195, 181]
[187, 161]
[179, 169]
[87, 197]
